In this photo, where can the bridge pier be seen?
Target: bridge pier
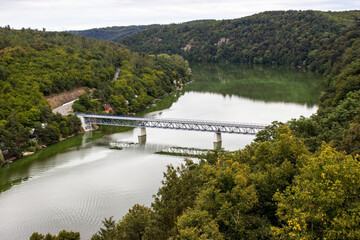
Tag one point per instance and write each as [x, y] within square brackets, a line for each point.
[217, 137]
[86, 126]
[142, 135]
[217, 141]
[142, 132]
[142, 140]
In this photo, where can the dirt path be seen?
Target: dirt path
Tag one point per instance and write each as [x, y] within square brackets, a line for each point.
[116, 73]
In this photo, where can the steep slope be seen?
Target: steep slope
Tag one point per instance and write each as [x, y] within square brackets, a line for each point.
[35, 64]
[278, 37]
[116, 33]
[111, 33]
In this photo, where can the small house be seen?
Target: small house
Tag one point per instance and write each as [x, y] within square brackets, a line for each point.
[107, 108]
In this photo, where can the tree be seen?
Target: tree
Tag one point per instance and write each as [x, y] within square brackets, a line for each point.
[108, 232]
[118, 103]
[228, 199]
[134, 223]
[179, 190]
[196, 224]
[62, 235]
[323, 202]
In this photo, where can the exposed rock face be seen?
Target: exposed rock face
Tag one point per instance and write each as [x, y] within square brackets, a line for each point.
[188, 46]
[222, 41]
[61, 98]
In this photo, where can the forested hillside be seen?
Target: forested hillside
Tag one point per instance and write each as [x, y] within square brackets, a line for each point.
[116, 33]
[34, 64]
[111, 33]
[282, 37]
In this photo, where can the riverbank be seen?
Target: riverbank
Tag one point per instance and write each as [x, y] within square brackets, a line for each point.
[77, 140]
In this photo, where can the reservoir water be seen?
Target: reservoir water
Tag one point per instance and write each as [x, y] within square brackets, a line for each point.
[77, 187]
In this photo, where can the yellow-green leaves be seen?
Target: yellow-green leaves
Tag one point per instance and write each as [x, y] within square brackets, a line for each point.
[324, 199]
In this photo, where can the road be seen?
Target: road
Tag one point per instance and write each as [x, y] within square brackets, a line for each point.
[65, 108]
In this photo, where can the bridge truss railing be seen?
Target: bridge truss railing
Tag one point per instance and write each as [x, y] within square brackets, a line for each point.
[171, 123]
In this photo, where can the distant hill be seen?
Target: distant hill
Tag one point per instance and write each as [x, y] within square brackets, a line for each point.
[116, 33]
[111, 33]
[275, 37]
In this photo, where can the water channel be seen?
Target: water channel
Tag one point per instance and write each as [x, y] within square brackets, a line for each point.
[77, 187]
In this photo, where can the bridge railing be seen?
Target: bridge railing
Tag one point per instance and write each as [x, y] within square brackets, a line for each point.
[173, 120]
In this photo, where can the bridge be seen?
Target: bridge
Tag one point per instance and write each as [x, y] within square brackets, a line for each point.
[169, 123]
[160, 149]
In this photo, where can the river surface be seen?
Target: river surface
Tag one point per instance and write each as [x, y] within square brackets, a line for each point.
[77, 187]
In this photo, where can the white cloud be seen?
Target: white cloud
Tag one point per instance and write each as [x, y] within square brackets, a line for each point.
[84, 14]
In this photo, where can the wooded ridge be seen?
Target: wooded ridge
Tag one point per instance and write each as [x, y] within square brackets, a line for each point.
[35, 64]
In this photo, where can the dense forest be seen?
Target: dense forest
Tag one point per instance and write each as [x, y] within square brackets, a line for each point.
[111, 33]
[282, 37]
[297, 180]
[116, 33]
[34, 64]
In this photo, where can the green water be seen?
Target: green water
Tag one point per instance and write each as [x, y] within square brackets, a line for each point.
[265, 83]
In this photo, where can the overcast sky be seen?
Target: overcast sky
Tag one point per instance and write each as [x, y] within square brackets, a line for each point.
[57, 15]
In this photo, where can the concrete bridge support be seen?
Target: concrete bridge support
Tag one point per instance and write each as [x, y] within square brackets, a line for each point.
[217, 141]
[142, 132]
[142, 135]
[86, 126]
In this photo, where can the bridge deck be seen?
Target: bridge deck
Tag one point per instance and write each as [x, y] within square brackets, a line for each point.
[172, 123]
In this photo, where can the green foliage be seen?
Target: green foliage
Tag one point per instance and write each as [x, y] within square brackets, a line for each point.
[180, 187]
[35, 64]
[231, 199]
[198, 225]
[134, 223]
[273, 188]
[111, 33]
[62, 235]
[277, 37]
[106, 233]
[323, 202]
[131, 227]
[141, 79]
[117, 32]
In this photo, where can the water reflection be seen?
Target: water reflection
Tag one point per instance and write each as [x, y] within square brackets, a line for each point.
[266, 83]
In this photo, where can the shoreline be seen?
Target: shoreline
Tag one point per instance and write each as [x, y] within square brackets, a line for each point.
[75, 140]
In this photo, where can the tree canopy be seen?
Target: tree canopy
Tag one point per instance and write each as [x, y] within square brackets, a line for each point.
[35, 64]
